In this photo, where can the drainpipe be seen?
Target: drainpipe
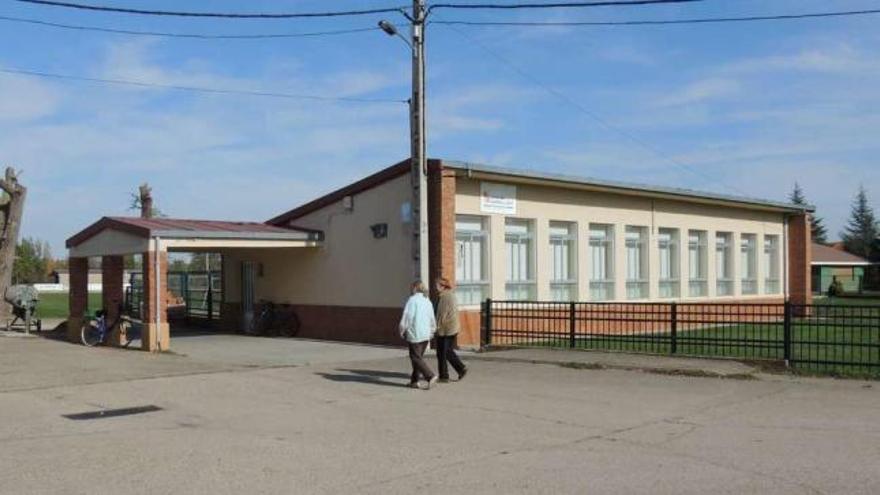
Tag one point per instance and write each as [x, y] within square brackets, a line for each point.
[158, 308]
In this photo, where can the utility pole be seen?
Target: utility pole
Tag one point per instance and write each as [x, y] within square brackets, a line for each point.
[418, 138]
[418, 128]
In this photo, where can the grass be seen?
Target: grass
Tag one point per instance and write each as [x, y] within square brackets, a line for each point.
[55, 304]
[833, 341]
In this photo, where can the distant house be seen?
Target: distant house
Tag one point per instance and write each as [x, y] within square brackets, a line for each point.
[830, 263]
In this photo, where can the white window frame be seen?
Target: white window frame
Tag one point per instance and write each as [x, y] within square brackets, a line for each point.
[520, 255]
[669, 271]
[698, 282]
[471, 290]
[771, 264]
[601, 250]
[724, 276]
[563, 261]
[637, 267]
[749, 264]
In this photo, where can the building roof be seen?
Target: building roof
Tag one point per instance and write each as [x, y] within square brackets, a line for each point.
[176, 228]
[827, 255]
[629, 188]
[500, 173]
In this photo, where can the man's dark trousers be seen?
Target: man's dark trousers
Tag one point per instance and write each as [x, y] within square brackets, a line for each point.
[446, 354]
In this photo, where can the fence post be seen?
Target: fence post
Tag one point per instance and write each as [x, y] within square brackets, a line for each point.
[572, 325]
[487, 323]
[210, 299]
[786, 332]
[673, 315]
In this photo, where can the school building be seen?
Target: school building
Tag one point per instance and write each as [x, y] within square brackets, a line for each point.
[344, 260]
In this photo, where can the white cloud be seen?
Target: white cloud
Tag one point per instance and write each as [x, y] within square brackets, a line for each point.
[23, 99]
[701, 91]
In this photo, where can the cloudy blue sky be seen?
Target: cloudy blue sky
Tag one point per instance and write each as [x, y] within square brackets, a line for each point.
[738, 107]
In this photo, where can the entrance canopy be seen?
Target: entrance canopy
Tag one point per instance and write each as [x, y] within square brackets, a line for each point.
[114, 236]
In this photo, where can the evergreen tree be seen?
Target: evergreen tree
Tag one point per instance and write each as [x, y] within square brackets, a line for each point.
[861, 231]
[818, 232]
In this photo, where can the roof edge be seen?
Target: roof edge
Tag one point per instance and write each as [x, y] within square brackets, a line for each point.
[631, 188]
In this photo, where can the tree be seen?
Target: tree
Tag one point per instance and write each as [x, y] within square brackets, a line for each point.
[11, 208]
[818, 232]
[861, 231]
[32, 262]
[142, 201]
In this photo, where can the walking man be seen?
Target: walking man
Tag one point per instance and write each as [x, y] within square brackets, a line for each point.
[417, 327]
[448, 326]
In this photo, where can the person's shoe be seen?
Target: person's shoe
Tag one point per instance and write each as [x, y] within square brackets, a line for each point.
[432, 381]
[462, 374]
[414, 385]
[444, 380]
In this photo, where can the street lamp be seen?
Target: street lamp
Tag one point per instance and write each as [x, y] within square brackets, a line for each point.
[419, 167]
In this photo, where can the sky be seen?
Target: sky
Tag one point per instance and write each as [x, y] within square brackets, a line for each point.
[740, 108]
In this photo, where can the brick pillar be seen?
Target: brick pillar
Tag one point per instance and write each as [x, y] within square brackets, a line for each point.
[156, 335]
[441, 222]
[78, 297]
[799, 257]
[112, 268]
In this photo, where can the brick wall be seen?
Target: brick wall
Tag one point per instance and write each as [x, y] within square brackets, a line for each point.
[112, 276]
[799, 257]
[78, 296]
[441, 222]
[156, 336]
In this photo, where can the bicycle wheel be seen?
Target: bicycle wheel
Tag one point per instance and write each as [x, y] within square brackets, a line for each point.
[290, 325]
[90, 334]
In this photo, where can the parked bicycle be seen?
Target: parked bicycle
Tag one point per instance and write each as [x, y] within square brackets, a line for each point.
[98, 330]
[275, 320]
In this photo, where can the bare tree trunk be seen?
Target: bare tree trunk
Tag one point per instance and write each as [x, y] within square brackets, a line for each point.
[12, 211]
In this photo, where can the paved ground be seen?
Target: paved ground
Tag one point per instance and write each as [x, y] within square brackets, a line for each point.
[346, 424]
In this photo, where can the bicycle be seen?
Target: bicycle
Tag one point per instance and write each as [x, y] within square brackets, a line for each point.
[97, 331]
[273, 322]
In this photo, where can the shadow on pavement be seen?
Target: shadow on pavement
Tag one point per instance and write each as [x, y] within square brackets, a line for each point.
[373, 377]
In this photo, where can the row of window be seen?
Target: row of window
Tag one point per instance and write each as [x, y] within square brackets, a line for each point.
[472, 273]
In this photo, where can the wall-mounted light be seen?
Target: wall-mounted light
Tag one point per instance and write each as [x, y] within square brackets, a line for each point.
[380, 230]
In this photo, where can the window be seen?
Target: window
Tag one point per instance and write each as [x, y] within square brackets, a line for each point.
[636, 263]
[601, 262]
[697, 263]
[771, 264]
[471, 259]
[563, 248]
[667, 243]
[749, 264]
[724, 264]
[519, 238]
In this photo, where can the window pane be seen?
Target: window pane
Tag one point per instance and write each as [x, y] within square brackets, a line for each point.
[471, 259]
[724, 263]
[697, 261]
[636, 263]
[771, 264]
[667, 244]
[601, 262]
[519, 241]
[563, 252]
[749, 264]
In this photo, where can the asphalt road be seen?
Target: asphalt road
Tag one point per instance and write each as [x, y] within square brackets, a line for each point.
[341, 421]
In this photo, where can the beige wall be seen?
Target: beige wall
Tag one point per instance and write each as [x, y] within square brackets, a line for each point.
[351, 268]
[544, 204]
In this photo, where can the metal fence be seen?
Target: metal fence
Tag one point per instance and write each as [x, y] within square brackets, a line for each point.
[199, 295]
[834, 339]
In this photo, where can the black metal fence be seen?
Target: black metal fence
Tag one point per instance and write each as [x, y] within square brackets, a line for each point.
[833, 339]
[199, 294]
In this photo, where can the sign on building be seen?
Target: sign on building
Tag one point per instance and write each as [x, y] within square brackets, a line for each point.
[497, 198]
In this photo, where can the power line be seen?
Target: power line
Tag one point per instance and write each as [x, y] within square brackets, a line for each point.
[198, 89]
[230, 15]
[593, 115]
[708, 20]
[187, 35]
[557, 5]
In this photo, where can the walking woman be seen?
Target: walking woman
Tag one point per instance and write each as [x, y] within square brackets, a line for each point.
[417, 327]
[448, 327]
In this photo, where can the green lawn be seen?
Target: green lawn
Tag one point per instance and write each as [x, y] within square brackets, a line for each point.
[54, 304]
[821, 343]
